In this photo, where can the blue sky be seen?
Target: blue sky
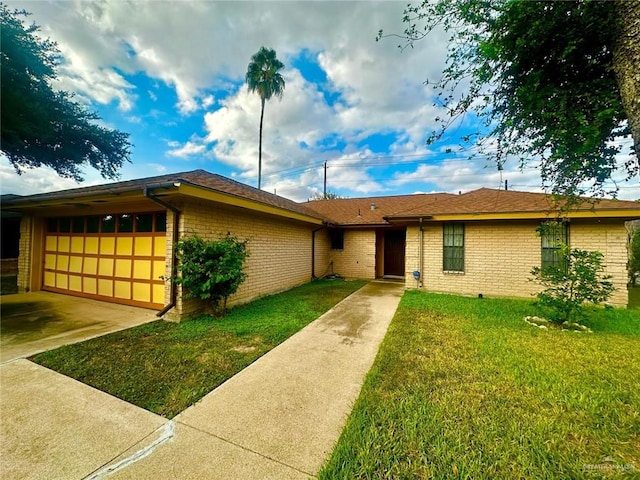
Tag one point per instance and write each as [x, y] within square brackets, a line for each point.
[172, 75]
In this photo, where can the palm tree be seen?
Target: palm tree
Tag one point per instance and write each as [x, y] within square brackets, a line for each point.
[264, 78]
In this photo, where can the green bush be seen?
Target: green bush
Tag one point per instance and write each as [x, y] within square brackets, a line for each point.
[580, 279]
[211, 270]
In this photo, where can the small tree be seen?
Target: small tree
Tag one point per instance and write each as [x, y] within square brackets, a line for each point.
[211, 270]
[577, 280]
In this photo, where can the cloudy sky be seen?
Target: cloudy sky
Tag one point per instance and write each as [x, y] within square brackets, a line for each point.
[172, 75]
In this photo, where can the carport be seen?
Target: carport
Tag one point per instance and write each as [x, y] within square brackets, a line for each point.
[34, 322]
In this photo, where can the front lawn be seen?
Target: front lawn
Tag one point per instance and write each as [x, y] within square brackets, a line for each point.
[166, 367]
[464, 388]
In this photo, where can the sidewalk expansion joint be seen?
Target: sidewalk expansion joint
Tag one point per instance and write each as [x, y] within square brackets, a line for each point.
[166, 433]
[246, 449]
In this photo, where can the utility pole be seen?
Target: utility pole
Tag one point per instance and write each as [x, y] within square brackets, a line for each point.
[324, 195]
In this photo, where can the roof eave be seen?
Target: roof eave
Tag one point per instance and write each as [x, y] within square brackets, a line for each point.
[211, 194]
[626, 214]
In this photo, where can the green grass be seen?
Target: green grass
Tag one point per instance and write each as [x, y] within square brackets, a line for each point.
[463, 388]
[166, 367]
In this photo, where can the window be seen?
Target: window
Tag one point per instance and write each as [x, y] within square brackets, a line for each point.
[553, 235]
[108, 224]
[77, 224]
[52, 225]
[453, 247]
[144, 222]
[337, 239]
[161, 222]
[125, 223]
[93, 224]
[65, 225]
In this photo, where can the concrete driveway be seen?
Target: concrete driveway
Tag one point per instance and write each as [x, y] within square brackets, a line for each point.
[34, 322]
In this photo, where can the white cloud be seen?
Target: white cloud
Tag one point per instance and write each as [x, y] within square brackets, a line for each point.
[39, 180]
[188, 149]
[202, 48]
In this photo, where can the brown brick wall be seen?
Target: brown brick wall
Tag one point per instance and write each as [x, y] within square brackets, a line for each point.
[500, 255]
[279, 249]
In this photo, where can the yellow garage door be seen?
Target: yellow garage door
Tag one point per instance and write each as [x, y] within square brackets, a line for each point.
[118, 258]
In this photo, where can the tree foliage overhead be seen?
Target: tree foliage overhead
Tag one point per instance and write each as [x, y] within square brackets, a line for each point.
[40, 125]
[264, 78]
[545, 79]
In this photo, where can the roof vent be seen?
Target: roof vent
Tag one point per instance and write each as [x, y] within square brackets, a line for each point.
[373, 206]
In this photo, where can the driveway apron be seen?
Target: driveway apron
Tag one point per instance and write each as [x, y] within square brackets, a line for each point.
[37, 321]
[277, 419]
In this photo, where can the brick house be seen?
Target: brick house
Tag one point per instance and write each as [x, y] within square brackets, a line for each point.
[114, 242]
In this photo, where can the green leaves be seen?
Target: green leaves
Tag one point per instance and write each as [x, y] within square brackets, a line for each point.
[211, 270]
[540, 75]
[263, 74]
[42, 126]
[578, 280]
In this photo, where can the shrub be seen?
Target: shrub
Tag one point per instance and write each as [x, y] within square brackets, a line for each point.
[579, 279]
[211, 270]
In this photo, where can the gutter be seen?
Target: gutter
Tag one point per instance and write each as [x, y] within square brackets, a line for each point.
[421, 256]
[147, 192]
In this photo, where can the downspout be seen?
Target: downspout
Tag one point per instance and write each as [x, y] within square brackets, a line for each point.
[176, 236]
[313, 251]
[421, 256]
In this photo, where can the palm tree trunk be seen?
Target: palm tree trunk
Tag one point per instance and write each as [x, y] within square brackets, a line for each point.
[260, 148]
[626, 61]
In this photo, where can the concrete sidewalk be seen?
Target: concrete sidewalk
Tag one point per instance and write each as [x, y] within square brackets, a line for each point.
[277, 419]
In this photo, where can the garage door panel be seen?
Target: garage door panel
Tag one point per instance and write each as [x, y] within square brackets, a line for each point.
[49, 279]
[61, 281]
[105, 287]
[63, 244]
[142, 269]
[158, 294]
[124, 246]
[122, 289]
[123, 268]
[90, 266]
[50, 261]
[97, 260]
[105, 267]
[77, 244]
[142, 292]
[107, 246]
[51, 243]
[143, 246]
[75, 283]
[91, 245]
[158, 269]
[90, 285]
[62, 263]
[75, 264]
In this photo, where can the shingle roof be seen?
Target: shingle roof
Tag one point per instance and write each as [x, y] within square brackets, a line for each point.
[350, 211]
[199, 178]
[481, 201]
[359, 211]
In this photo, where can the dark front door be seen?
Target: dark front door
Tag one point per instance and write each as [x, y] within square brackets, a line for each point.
[394, 246]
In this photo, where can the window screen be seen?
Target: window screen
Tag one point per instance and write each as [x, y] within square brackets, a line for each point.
[453, 247]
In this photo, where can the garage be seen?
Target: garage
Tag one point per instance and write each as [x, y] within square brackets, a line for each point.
[113, 257]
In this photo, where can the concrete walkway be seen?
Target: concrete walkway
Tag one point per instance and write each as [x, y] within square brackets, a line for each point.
[277, 419]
